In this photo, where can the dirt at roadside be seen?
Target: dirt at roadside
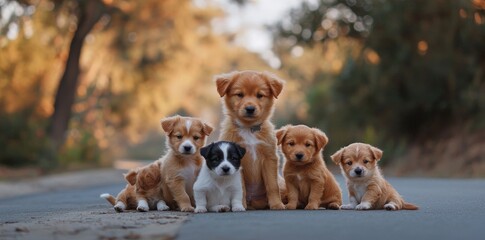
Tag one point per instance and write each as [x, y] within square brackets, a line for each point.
[99, 224]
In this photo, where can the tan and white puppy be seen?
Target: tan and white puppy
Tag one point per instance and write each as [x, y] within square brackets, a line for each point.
[248, 103]
[367, 187]
[142, 192]
[181, 164]
[309, 183]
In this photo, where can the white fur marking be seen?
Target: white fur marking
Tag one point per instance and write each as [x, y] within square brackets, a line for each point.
[187, 143]
[363, 206]
[142, 206]
[188, 123]
[251, 141]
[104, 195]
[120, 206]
[162, 206]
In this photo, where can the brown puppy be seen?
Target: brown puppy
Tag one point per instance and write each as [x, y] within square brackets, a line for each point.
[182, 163]
[143, 191]
[308, 181]
[367, 188]
[248, 105]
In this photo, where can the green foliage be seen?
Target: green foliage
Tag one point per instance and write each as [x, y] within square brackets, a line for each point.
[419, 70]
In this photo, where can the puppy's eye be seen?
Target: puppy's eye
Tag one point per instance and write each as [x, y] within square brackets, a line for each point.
[349, 163]
[366, 161]
[259, 95]
[308, 145]
[291, 144]
[240, 95]
[196, 138]
[178, 136]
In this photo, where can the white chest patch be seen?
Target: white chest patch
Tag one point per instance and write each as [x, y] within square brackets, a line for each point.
[360, 190]
[250, 140]
[188, 173]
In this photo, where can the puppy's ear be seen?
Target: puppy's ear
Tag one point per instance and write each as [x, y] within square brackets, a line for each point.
[131, 177]
[223, 81]
[205, 150]
[281, 133]
[337, 157]
[240, 150]
[275, 84]
[321, 138]
[206, 129]
[169, 123]
[376, 152]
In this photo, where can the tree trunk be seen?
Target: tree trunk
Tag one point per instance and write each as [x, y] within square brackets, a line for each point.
[89, 13]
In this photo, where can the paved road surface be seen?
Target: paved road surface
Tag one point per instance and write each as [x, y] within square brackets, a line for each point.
[450, 209]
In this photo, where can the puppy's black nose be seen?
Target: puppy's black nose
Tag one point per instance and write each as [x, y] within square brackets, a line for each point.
[187, 148]
[299, 156]
[358, 171]
[250, 109]
[225, 169]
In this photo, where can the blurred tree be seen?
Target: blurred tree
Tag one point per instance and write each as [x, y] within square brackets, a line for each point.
[388, 72]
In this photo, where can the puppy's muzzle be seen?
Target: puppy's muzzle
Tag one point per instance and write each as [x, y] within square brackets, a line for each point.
[358, 171]
[299, 156]
[250, 110]
[187, 149]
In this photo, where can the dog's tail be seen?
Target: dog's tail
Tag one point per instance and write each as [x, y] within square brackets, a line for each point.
[409, 206]
[109, 198]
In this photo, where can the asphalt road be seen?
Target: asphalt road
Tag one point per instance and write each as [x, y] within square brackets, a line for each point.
[450, 209]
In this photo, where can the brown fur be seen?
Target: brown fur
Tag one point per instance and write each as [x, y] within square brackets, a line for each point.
[260, 164]
[179, 170]
[309, 183]
[143, 183]
[378, 193]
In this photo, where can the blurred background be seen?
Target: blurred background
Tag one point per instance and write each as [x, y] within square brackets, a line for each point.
[84, 83]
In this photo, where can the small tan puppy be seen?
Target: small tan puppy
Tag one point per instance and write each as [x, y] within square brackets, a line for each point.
[309, 183]
[143, 191]
[367, 188]
[248, 103]
[182, 163]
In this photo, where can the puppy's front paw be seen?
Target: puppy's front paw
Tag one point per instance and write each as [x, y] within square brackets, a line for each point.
[238, 208]
[311, 207]
[390, 207]
[290, 206]
[221, 208]
[161, 206]
[333, 206]
[278, 206]
[187, 209]
[347, 207]
[119, 207]
[200, 210]
[142, 209]
[363, 206]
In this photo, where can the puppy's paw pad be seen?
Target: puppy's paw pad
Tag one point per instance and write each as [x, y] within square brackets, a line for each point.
[278, 206]
[187, 209]
[290, 206]
[390, 207]
[333, 206]
[200, 210]
[347, 207]
[119, 208]
[222, 208]
[142, 209]
[238, 209]
[363, 206]
[163, 208]
[311, 207]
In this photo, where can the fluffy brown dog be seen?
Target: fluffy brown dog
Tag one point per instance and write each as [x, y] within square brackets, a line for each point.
[142, 192]
[309, 183]
[248, 100]
[182, 163]
[367, 188]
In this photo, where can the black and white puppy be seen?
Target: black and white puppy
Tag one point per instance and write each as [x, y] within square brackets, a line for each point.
[218, 187]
